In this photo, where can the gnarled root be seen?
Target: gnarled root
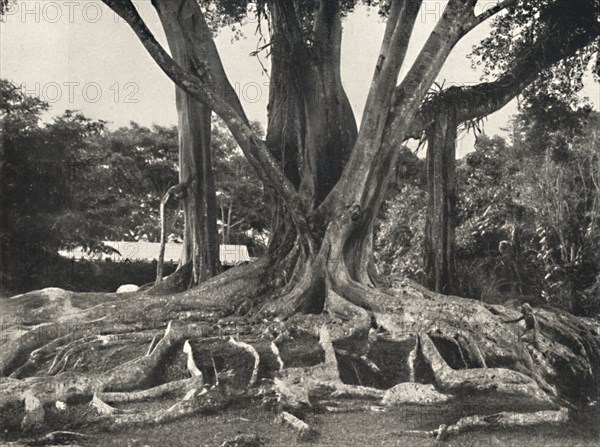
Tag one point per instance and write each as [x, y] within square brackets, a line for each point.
[356, 336]
[176, 387]
[193, 403]
[38, 391]
[502, 420]
[305, 432]
[501, 383]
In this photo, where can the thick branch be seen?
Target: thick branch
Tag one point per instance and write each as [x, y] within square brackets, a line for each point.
[485, 98]
[365, 177]
[492, 11]
[400, 22]
[399, 27]
[202, 88]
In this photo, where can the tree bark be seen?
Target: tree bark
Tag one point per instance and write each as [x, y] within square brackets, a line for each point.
[311, 128]
[200, 245]
[200, 237]
[439, 242]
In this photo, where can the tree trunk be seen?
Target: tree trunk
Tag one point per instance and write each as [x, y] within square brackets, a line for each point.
[439, 243]
[311, 124]
[311, 128]
[200, 245]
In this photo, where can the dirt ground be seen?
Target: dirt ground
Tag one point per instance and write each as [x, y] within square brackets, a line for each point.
[377, 428]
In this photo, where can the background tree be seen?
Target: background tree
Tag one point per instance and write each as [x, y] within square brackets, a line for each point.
[241, 201]
[400, 227]
[132, 168]
[41, 185]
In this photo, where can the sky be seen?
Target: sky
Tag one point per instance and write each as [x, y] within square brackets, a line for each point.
[79, 55]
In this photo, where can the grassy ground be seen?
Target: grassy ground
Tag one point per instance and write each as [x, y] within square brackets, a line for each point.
[383, 428]
[337, 430]
[77, 276]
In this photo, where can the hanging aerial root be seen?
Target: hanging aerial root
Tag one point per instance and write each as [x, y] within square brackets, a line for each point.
[178, 191]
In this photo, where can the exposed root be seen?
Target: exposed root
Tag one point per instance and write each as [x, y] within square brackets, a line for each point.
[361, 358]
[298, 297]
[501, 420]
[134, 374]
[504, 420]
[250, 349]
[176, 387]
[61, 437]
[193, 403]
[410, 337]
[34, 412]
[305, 432]
[341, 407]
[191, 364]
[298, 388]
[151, 347]
[212, 359]
[483, 382]
[275, 351]
[62, 349]
[102, 407]
[413, 393]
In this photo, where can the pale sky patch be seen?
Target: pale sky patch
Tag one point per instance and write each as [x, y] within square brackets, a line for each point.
[78, 55]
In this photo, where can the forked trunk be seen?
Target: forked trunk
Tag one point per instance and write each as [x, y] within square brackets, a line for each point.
[343, 220]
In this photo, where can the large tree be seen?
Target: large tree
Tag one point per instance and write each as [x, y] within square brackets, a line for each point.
[328, 177]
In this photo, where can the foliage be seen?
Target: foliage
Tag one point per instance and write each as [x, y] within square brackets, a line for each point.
[514, 32]
[527, 212]
[38, 191]
[494, 228]
[400, 227]
[242, 214]
[133, 167]
[74, 183]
